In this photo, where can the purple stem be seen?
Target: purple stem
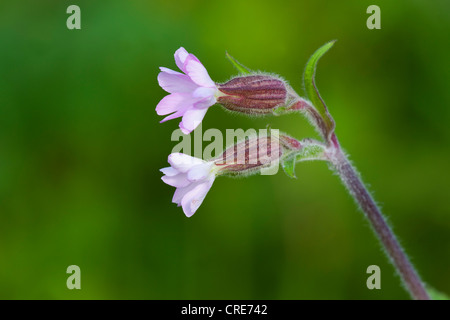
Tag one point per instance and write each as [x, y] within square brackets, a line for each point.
[359, 192]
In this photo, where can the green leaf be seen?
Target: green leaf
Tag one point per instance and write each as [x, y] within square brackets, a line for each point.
[289, 167]
[311, 150]
[280, 111]
[310, 86]
[436, 295]
[241, 68]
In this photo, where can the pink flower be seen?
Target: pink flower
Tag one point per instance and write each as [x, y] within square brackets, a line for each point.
[191, 93]
[192, 177]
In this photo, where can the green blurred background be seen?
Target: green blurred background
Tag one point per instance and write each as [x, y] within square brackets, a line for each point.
[80, 149]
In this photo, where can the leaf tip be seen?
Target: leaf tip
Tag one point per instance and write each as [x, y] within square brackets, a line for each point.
[239, 66]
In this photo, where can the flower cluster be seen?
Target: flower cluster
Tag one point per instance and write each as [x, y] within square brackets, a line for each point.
[191, 94]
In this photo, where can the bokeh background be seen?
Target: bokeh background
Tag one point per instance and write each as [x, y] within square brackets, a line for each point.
[80, 149]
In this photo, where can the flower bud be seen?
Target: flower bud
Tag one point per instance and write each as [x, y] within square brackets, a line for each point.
[255, 94]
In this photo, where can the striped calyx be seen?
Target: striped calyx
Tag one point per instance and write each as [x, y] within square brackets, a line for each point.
[255, 153]
[254, 94]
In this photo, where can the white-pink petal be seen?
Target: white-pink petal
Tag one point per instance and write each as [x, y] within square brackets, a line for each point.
[169, 171]
[174, 115]
[191, 119]
[180, 57]
[197, 72]
[182, 162]
[176, 82]
[180, 192]
[202, 92]
[177, 181]
[167, 70]
[194, 198]
[199, 172]
[183, 129]
[171, 103]
[205, 102]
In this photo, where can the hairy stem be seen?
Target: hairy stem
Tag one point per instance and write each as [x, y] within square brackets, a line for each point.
[361, 195]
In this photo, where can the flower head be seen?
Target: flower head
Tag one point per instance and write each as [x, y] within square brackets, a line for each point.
[191, 92]
[192, 177]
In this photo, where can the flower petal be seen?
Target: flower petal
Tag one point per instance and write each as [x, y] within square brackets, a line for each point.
[177, 181]
[176, 82]
[167, 70]
[199, 172]
[203, 92]
[197, 72]
[181, 192]
[182, 162]
[180, 57]
[169, 171]
[191, 119]
[174, 115]
[205, 102]
[194, 198]
[175, 102]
